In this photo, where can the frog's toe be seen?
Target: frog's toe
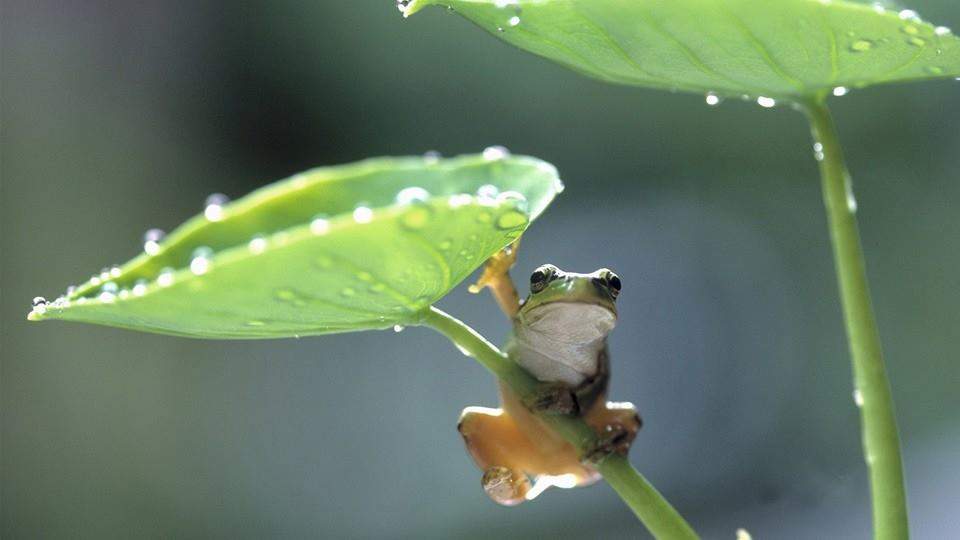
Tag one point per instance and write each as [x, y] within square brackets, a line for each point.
[505, 486]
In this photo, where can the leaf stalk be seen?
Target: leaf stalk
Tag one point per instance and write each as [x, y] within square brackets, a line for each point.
[872, 394]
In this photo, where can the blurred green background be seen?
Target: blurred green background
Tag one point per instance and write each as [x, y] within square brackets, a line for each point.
[122, 116]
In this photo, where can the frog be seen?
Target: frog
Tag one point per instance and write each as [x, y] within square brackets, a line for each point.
[559, 336]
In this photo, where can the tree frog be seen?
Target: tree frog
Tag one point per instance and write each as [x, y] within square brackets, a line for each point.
[560, 337]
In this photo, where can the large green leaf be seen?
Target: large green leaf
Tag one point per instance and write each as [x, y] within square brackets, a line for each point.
[764, 48]
[359, 246]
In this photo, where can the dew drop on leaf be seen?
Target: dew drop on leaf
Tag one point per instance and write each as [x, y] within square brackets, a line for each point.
[412, 195]
[213, 206]
[140, 287]
[861, 45]
[200, 261]
[151, 241]
[766, 102]
[511, 219]
[363, 214]
[257, 244]
[166, 277]
[494, 153]
[416, 217]
[319, 225]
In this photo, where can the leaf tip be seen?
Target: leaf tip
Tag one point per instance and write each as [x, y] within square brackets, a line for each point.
[409, 7]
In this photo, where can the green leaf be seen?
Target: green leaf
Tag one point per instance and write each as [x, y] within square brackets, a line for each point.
[359, 246]
[772, 48]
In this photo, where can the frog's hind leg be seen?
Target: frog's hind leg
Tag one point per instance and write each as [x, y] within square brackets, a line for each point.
[496, 277]
[497, 446]
[508, 458]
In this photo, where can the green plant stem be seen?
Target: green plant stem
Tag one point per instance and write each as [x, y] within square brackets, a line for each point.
[660, 518]
[881, 443]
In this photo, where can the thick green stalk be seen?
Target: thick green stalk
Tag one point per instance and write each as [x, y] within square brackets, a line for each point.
[881, 444]
[650, 507]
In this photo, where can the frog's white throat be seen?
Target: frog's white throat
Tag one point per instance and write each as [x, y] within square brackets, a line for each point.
[561, 341]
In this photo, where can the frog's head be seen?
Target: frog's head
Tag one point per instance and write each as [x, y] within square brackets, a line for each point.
[571, 307]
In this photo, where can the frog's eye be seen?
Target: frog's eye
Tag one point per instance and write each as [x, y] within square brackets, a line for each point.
[541, 277]
[611, 281]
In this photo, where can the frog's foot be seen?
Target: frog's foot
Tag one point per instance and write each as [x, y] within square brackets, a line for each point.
[616, 425]
[505, 486]
[553, 398]
[496, 277]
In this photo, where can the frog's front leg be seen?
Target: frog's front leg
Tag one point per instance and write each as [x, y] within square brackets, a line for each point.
[616, 424]
[496, 277]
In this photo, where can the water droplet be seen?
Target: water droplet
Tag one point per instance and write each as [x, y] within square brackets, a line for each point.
[417, 217]
[398, 328]
[402, 6]
[942, 31]
[841, 91]
[213, 207]
[934, 70]
[766, 102]
[110, 287]
[81, 301]
[917, 41]
[319, 225]
[487, 192]
[445, 245]
[71, 289]
[39, 301]
[257, 244]
[713, 99]
[514, 21]
[364, 276]
[123, 294]
[851, 198]
[256, 323]
[432, 157]
[165, 278]
[151, 241]
[499, 29]
[95, 280]
[495, 153]
[200, 261]
[818, 151]
[909, 15]
[412, 195]
[513, 199]
[511, 219]
[107, 297]
[461, 199]
[910, 29]
[115, 271]
[363, 214]
[861, 45]
[140, 287]
[347, 291]
[858, 397]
